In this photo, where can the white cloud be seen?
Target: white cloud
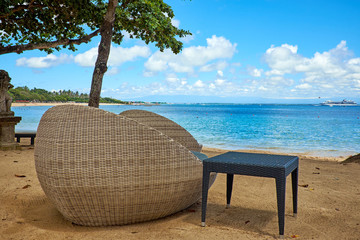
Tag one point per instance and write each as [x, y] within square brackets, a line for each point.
[126, 35]
[280, 81]
[199, 84]
[335, 70]
[187, 38]
[175, 85]
[285, 59]
[158, 61]
[173, 81]
[191, 57]
[175, 22]
[252, 71]
[282, 59]
[43, 62]
[262, 88]
[88, 58]
[354, 65]
[220, 65]
[325, 85]
[304, 86]
[290, 75]
[118, 55]
[212, 86]
[112, 71]
[148, 74]
[219, 82]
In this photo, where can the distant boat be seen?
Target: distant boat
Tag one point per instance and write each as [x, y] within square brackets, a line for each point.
[342, 103]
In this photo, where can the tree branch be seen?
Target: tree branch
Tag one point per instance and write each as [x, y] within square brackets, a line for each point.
[20, 48]
[22, 7]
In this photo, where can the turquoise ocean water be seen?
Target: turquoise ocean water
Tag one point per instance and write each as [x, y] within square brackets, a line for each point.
[307, 129]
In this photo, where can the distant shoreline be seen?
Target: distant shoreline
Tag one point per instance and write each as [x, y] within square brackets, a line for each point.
[31, 104]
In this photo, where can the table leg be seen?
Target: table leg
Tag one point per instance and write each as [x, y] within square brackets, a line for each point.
[280, 193]
[205, 189]
[229, 186]
[294, 181]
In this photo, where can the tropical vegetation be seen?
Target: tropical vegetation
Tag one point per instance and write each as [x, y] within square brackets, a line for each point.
[20, 94]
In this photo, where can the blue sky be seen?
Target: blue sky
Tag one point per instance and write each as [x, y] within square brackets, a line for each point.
[240, 51]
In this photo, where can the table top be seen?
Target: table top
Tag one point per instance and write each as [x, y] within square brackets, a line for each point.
[27, 132]
[253, 159]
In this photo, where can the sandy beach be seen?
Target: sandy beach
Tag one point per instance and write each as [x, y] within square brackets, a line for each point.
[329, 207]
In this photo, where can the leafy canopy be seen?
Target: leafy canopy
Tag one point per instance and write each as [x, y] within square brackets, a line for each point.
[49, 24]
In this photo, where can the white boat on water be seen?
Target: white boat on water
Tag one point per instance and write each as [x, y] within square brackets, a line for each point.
[342, 103]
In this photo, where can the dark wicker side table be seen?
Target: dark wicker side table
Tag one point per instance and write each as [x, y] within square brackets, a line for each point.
[254, 164]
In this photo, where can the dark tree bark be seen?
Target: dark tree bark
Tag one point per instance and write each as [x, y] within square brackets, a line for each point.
[106, 33]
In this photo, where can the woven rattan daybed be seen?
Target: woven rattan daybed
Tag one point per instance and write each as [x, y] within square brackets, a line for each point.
[166, 126]
[100, 169]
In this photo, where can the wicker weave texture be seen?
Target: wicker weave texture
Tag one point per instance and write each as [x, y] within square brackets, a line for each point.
[166, 126]
[100, 169]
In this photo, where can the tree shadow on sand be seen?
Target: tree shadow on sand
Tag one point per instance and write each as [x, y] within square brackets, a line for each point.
[42, 214]
[352, 159]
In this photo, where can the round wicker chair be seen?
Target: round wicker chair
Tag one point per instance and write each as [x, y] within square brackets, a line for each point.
[101, 169]
[166, 126]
